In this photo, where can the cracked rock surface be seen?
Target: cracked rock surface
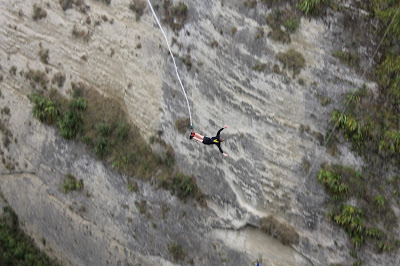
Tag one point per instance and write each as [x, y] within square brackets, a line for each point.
[265, 112]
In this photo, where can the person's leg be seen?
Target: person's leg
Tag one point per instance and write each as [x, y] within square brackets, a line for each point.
[198, 139]
[197, 135]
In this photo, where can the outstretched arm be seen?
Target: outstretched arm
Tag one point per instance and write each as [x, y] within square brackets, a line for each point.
[219, 131]
[219, 147]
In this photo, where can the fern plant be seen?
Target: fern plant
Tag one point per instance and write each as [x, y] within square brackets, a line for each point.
[45, 110]
[333, 183]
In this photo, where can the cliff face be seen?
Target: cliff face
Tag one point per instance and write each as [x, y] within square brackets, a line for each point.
[266, 112]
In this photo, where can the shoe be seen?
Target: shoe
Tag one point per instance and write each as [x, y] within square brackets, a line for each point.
[191, 135]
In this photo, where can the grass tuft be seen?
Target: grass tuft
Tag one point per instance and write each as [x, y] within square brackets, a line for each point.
[292, 60]
[59, 79]
[71, 184]
[177, 252]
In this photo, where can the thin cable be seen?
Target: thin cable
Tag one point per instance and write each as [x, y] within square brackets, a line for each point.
[352, 94]
[173, 59]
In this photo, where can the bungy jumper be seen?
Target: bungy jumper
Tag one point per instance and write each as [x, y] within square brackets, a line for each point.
[203, 139]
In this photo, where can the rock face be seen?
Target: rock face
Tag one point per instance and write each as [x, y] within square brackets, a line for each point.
[265, 111]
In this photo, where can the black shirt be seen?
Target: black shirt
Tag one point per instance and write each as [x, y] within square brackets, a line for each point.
[214, 140]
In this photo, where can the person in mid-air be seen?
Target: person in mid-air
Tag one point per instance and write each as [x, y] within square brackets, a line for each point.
[208, 141]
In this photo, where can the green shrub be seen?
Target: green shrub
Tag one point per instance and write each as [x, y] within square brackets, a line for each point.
[350, 218]
[309, 6]
[59, 79]
[70, 124]
[102, 147]
[104, 129]
[389, 77]
[291, 24]
[386, 12]
[379, 201]
[177, 252]
[183, 185]
[384, 246]
[292, 59]
[38, 12]
[44, 109]
[391, 141]
[373, 233]
[71, 184]
[123, 130]
[17, 248]
[333, 183]
[351, 127]
[285, 233]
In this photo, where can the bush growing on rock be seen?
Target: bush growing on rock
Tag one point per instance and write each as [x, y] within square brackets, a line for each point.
[285, 233]
[17, 248]
[182, 125]
[175, 15]
[59, 79]
[138, 7]
[44, 109]
[38, 12]
[177, 252]
[351, 59]
[70, 124]
[37, 77]
[309, 6]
